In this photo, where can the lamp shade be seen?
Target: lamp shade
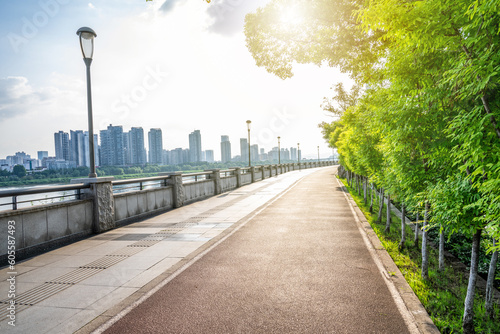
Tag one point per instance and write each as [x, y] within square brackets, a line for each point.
[87, 36]
[248, 124]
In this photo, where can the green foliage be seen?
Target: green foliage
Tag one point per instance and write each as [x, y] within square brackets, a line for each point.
[19, 171]
[443, 294]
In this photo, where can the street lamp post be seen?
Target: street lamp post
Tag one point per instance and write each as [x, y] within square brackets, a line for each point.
[318, 154]
[249, 159]
[298, 154]
[87, 36]
[279, 151]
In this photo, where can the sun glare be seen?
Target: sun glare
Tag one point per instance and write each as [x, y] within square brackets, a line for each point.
[291, 17]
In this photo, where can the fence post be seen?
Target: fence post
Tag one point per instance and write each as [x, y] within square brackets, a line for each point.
[101, 192]
[178, 194]
[237, 172]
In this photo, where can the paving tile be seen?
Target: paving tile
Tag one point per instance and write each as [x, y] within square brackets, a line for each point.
[38, 319]
[112, 277]
[111, 299]
[42, 274]
[77, 296]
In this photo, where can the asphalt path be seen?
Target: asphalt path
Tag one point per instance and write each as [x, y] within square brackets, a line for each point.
[299, 266]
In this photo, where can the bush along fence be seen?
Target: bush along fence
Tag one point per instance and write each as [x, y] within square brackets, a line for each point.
[422, 222]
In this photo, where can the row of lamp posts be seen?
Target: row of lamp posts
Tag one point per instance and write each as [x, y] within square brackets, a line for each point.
[87, 36]
[279, 148]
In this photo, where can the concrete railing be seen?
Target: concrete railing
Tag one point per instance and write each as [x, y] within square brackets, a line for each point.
[104, 204]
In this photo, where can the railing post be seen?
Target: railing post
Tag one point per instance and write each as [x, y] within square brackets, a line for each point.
[14, 202]
[237, 172]
[252, 172]
[101, 192]
[215, 176]
[175, 180]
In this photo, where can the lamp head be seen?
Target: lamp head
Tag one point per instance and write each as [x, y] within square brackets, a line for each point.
[87, 36]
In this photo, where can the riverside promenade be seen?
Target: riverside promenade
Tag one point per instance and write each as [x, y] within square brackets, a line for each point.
[290, 254]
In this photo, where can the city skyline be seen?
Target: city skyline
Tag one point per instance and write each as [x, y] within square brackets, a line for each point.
[210, 81]
[65, 151]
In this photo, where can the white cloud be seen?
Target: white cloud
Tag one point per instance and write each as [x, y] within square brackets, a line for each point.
[91, 5]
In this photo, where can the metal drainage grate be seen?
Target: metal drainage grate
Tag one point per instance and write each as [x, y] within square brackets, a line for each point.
[144, 243]
[75, 276]
[36, 295]
[127, 251]
[154, 237]
[4, 312]
[185, 224]
[105, 262]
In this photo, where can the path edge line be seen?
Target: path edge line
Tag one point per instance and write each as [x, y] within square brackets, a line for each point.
[411, 309]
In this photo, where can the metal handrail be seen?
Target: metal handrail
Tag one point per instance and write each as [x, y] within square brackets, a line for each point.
[41, 190]
[146, 179]
[14, 194]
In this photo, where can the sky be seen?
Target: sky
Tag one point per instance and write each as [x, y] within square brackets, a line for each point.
[178, 65]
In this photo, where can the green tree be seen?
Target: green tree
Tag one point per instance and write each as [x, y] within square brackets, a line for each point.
[19, 171]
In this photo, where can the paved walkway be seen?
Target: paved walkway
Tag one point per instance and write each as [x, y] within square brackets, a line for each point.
[284, 255]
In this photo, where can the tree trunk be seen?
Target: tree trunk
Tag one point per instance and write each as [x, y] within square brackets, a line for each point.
[416, 230]
[388, 221]
[364, 190]
[425, 258]
[403, 226]
[381, 206]
[371, 198]
[468, 321]
[357, 185]
[441, 249]
[489, 284]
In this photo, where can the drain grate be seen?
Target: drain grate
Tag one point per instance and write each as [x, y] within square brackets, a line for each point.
[185, 224]
[36, 295]
[4, 312]
[105, 262]
[154, 237]
[75, 276]
[127, 251]
[144, 243]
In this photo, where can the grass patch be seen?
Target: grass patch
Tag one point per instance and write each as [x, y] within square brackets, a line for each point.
[443, 294]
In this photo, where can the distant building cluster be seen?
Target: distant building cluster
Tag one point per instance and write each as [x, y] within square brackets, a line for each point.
[119, 148]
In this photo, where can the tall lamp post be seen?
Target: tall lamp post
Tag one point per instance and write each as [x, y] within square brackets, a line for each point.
[87, 36]
[279, 151]
[249, 159]
[298, 154]
[318, 154]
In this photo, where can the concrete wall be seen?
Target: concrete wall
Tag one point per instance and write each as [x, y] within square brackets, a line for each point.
[198, 190]
[228, 183]
[47, 225]
[133, 205]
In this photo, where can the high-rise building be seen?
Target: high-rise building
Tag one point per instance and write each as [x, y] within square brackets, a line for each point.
[61, 141]
[137, 149]
[209, 156]
[293, 154]
[87, 151]
[244, 149]
[195, 146]
[155, 146]
[112, 153]
[77, 147]
[285, 154]
[225, 149]
[274, 154]
[254, 152]
[42, 154]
